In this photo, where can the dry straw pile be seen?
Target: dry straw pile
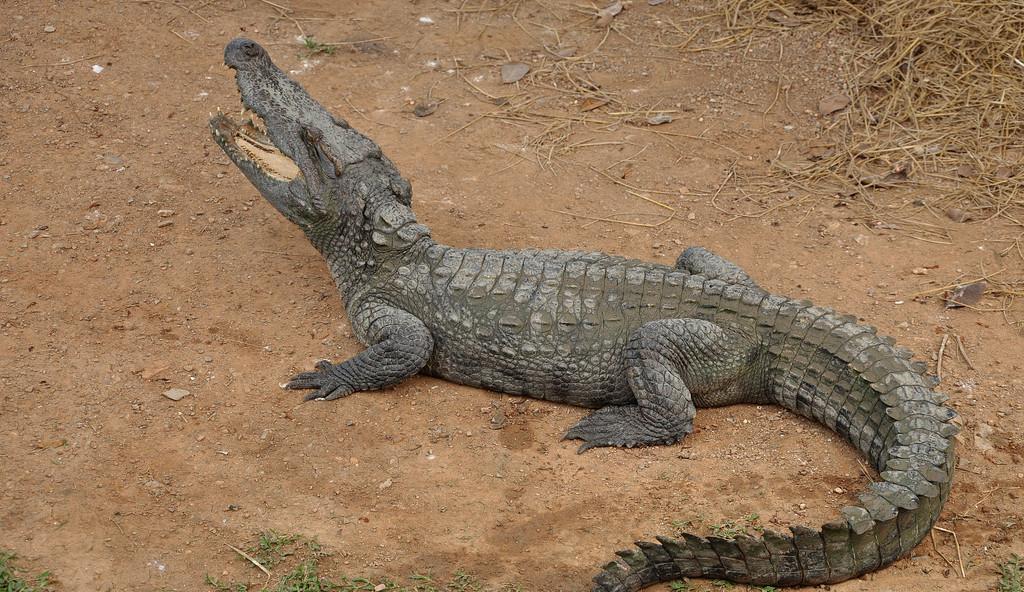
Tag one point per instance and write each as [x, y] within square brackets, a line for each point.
[938, 96]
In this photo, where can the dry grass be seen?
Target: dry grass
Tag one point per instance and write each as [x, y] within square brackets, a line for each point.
[937, 96]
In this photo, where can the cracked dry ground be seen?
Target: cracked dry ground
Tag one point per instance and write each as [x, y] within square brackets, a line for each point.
[137, 260]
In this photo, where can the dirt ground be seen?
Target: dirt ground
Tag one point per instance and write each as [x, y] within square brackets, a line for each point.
[137, 259]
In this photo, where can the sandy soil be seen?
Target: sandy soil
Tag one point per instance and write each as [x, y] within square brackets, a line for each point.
[136, 259]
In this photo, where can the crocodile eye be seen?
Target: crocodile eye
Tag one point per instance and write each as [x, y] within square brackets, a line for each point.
[312, 134]
[251, 49]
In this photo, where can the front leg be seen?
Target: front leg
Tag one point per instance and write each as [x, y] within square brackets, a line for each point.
[399, 346]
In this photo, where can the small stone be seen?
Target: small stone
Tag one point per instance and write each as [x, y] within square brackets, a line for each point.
[606, 14]
[498, 419]
[176, 394]
[165, 213]
[49, 29]
[424, 107]
[380, 588]
[511, 73]
[164, 223]
[384, 484]
[833, 103]
[956, 215]
[839, 490]
[966, 171]
[919, 271]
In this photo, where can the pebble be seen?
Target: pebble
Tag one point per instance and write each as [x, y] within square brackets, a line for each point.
[176, 394]
[384, 484]
[956, 215]
[839, 490]
[49, 29]
[163, 223]
[165, 213]
[513, 72]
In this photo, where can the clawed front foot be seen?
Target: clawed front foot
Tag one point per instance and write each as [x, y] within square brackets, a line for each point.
[626, 426]
[325, 380]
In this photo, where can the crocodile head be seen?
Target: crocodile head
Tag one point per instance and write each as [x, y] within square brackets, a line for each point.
[288, 145]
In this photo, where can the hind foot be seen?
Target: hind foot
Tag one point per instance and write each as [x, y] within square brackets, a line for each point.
[626, 426]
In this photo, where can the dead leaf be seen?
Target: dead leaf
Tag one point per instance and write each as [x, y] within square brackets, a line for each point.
[833, 103]
[513, 72]
[1004, 172]
[966, 295]
[900, 173]
[606, 14]
[590, 103]
[820, 152]
[50, 443]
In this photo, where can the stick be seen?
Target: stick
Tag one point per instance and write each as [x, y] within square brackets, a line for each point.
[963, 352]
[936, 547]
[942, 352]
[251, 560]
[62, 63]
[956, 541]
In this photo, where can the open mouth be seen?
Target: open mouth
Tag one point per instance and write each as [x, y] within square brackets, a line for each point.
[248, 142]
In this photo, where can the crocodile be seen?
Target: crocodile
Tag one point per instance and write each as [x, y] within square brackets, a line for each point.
[641, 343]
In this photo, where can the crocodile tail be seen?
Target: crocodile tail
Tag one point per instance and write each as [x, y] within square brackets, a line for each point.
[827, 367]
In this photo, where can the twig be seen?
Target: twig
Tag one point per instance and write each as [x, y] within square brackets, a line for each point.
[341, 43]
[628, 186]
[956, 541]
[667, 219]
[936, 548]
[125, 535]
[942, 353]
[250, 558]
[963, 352]
[62, 63]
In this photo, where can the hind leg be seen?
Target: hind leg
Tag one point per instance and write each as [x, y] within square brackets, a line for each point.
[700, 261]
[672, 366]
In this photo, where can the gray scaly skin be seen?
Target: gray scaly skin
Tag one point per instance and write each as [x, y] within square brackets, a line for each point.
[643, 344]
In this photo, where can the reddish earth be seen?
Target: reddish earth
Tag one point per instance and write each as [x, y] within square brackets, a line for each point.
[136, 259]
